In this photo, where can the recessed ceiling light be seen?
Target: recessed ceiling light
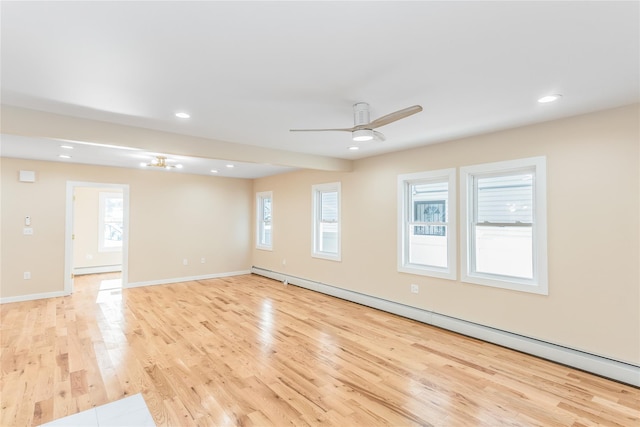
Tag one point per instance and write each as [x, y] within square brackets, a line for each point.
[66, 147]
[144, 165]
[178, 166]
[183, 115]
[64, 156]
[214, 171]
[354, 148]
[549, 98]
[230, 166]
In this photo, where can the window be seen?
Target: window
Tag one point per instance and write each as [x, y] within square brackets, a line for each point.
[426, 221]
[505, 234]
[326, 221]
[110, 222]
[264, 202]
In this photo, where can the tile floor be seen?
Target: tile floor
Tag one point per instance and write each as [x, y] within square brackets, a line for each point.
[131, 411]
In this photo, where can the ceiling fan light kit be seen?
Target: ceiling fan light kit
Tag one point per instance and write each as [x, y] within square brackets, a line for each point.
[161, 162]
[363, 128]
[362, 135]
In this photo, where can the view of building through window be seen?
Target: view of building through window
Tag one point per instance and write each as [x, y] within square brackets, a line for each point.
[328, 224]
[428, 229]
[503, 241]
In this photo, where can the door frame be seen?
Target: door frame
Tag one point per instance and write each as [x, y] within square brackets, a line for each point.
[69, 224]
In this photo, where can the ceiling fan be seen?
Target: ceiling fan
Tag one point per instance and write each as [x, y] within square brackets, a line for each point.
[363, 129]
[162, 163]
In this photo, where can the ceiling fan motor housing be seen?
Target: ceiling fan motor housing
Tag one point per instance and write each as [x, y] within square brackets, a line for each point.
[361, 114]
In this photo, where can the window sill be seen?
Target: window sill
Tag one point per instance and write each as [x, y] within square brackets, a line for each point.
[503, 282]
[426, 271]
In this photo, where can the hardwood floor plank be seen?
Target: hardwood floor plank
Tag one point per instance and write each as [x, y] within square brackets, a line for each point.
[248, 351]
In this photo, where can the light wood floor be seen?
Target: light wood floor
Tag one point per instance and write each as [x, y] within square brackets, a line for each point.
[250, 351]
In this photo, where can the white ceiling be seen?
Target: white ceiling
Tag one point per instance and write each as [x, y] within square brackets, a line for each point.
[247, 72]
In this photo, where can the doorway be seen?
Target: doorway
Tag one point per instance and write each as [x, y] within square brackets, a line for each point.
[97, 231]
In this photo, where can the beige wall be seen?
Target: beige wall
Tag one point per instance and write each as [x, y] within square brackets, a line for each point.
[593, 225]
[593, 198]
[86, 228]
[172, 217]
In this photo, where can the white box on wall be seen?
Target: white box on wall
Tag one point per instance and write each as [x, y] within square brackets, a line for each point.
[27, 176]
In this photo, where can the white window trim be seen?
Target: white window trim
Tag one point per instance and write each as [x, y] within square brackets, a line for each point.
[102, 195]
[315, 191]
[404, 181]
[259, 210]
[539, 283]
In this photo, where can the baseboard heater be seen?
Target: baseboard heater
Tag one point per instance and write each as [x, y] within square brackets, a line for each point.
[80, 271]
[599, 365]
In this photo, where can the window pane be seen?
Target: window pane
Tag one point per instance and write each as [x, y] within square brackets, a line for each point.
[328, 237]
[265, 238]
[426, 234]
[428, 243]
[264, 204]
[329, 206]
[266, 209]
[113, 222]
[328, 227]
[326, 221]
[505, 199]
[506, 251]
[266, 222]
[428, 249]
[505, 233]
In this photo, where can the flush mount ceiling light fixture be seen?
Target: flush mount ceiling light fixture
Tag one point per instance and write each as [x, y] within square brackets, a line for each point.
[161, 162]
[183, 115]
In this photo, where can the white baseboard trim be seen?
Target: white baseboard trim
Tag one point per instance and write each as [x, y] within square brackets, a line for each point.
[186, 279]
[31, 297]
[80, 271]
[599, 365]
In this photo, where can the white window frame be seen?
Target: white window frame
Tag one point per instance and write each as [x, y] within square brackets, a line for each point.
[260, 223]
[539, 283]
[405, 221]
[316, 192]
[102, 196]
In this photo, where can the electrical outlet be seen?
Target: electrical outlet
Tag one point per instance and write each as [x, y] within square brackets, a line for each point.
[27, 275]
[202, 260]
[185, 262]
[414, 288]
[284, 262]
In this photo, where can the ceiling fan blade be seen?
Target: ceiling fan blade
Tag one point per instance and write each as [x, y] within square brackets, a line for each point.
[322, 130]
[392, 117]
[379, 136]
